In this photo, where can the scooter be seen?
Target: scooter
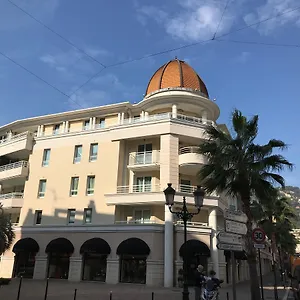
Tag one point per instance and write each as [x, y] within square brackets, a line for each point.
[211, 290]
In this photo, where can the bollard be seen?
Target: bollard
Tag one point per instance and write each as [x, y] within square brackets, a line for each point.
[46, 290]
[110, 295]
[75, 294]
[152, 296]
[227, 296]
[20, 285]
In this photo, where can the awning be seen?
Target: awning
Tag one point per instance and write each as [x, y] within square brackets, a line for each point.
[26, 245]
[95, 245]
[133, 246]
[194, 248]
[241, 255]
[60, 245]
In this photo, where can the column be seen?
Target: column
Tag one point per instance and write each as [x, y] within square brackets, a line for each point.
[9, 135]
[146, 116]
[40, 267]
[142, 115]
[67, 126]
[112, 271]
[212, 222]
[39, 130]
[75, 269]
[63, 127]
[155, 273]
[131, 180]
[174, 111]
[119, 118]
[169, 244]
[93, 122]
[122, 118]
[204, 116]
[42, 130]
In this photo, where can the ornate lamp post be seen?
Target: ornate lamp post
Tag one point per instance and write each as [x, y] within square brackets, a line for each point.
[185, 216]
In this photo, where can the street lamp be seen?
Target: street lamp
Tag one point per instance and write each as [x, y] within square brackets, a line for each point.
[185, 216]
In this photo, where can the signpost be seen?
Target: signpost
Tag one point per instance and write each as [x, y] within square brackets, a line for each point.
[235, 227]
[229, 247]
[229, 238]
[259, 237]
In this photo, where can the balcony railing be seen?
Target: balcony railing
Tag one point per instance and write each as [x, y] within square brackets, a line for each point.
[129, 222]
[15, 138]
[145, 188]
[15, 165]
[190, 149]
[16, 195]
[144, 158]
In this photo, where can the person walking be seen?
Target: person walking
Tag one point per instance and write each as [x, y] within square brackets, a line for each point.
[199, 281]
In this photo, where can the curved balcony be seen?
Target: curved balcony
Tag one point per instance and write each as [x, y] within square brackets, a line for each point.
[190, 160]
[11, 200]
[144, 160]
[14, 170]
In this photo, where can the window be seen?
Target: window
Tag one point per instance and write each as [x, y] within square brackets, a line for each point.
[144, 154]
[38, 217]
[93, 152]
[71, 216]
[142, 216]
[143, 184]
[185, 186]
[46, 157]
[77, 154]
[42, 188]
[56, 128]
[86, 125]
[90, 185]
[101, 123]
[87, 218]
[74, 186]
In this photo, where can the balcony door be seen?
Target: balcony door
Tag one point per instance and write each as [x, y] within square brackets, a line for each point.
[144, 154]
[143, 184]
[142, 216]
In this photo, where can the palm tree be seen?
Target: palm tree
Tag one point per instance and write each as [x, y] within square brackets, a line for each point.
[6, 232]
[243, 170]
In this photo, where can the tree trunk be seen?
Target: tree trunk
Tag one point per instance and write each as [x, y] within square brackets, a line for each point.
[251, 256]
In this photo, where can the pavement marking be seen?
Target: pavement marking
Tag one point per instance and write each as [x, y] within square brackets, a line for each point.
[286, 294]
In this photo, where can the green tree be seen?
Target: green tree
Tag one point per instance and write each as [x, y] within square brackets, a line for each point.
[242, 169]
[6, 232]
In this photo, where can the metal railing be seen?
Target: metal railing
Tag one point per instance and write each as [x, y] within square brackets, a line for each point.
[189, 149]
[144, 158]
[16, 195]
[138, 188]
[15, 165]
[142, 221]
[16, 137]
[185, 188]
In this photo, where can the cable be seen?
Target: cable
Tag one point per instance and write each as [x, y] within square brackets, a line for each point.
[56, 33]
[227, 3]
[259, 43]
[40, 78]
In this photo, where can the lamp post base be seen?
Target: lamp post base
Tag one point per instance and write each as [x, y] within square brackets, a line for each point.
[185, 292]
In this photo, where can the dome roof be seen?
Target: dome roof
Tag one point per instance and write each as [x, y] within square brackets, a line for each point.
[176, 73]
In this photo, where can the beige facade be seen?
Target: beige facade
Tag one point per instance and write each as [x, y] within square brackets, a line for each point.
[100, 173]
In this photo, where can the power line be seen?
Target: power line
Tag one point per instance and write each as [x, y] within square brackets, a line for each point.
[259, 43]
[227, 3]
[56, 33]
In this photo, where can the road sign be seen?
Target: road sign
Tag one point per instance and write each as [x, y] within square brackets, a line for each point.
[236, 216]
[258, 236]
[229, 247]
[229, 238]
[235, 227]
[259, 246]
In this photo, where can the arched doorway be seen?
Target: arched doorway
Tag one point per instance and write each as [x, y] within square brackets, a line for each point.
[133, 254]
[25, 250]
[59, 252]
[196, 253]
[94, 254]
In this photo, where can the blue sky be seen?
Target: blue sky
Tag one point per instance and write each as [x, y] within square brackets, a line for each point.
[256, 79]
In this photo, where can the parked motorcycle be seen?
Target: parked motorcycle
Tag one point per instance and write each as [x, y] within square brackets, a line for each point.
[211, 290]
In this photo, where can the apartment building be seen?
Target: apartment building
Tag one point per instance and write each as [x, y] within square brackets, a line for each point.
[85, 189]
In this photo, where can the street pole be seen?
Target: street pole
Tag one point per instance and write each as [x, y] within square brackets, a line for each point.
[275, 277]
[233, 276]
[261, 277]
[185, 292]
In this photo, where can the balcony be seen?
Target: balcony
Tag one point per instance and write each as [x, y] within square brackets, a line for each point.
[15, 170]
[136, 194]
[17, 143]
[12, 200]
[190, 160]
[148, 160]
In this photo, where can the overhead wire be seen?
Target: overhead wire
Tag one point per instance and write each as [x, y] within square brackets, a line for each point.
[221, 19]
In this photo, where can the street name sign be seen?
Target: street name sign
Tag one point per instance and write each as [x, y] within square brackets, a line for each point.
[235, 227]
[229, 238]
[236, 216]
[259, 246]
[229, 247]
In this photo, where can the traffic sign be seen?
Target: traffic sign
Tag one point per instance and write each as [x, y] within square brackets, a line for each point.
[234, 215]
[235, 227]
[229, 238]
[259, 246]
[258, 235]
[229, 247]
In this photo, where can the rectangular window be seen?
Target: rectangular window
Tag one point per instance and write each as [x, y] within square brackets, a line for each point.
[56, 128]
[144, 154]
[90, 185]
[143, 184]
[86, 125]
[142, 216]
[93, 152]
[71, 216]
[101, 123]
[77, 154]
[46, 157]
[38, 217]
[42, 188]
[87, 218]
[74, 186]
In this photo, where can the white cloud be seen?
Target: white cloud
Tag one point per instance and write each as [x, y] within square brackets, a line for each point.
[271, 8]
[197, 20]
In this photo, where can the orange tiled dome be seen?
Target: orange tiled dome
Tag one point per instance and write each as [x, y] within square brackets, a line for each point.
[176, 73]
